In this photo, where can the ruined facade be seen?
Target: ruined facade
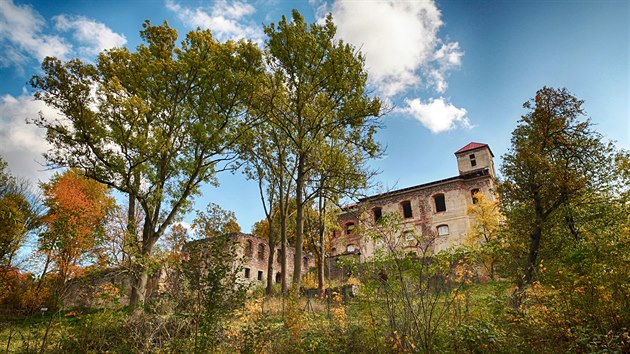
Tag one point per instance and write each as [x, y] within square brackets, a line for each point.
[254, 253]
[438, 208]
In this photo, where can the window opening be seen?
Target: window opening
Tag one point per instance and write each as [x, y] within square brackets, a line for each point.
[378, 213]
[261, 252]
[260, 275]
[407, 212]
[247, 273]
[440, 203]
[349, 228]
[409, 238]
[473, 161]
[474, 196]
[442, 230]
[248, 248]
[350, 248]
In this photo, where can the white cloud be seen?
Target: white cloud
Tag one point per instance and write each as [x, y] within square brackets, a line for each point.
[93, 36]
[226, 20]
[23, 144]
[21, 36]
[400, 42]
[437, 114]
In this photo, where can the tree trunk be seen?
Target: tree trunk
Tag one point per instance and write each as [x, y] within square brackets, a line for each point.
[534, 239]
[299, 228]
[283, 250]
[272, 251]
[533, 254]
[322, 249]
[138, 277]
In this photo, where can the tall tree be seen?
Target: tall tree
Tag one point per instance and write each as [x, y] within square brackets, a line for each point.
[556, 162]
[154, 124]
[270, 162]
[317, 92]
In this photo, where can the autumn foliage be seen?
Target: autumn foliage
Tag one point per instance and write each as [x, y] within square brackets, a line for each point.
[75, 221]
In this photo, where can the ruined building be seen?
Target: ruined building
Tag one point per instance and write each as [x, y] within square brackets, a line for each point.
[437, 208]
[254, 253]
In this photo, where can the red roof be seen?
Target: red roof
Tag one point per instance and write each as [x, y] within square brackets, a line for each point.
[473, 146]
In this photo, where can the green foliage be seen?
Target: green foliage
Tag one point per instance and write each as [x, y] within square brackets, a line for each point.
[557, 166]
[20, 213]
[315, 97]
[153, 124]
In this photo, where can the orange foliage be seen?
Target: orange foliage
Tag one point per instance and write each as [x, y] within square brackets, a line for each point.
[78, 208]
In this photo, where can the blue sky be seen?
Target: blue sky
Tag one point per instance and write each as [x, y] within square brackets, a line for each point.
[455, 71]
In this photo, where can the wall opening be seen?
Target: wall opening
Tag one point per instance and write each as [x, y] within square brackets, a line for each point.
[440, 203]
[406, 207]
[377, 213]
[473, 195]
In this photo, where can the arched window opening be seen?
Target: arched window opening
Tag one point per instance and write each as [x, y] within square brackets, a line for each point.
[442, 230]
[261, 252]
[349, 228]
[249, 248]
[440, 203]
[410, 238]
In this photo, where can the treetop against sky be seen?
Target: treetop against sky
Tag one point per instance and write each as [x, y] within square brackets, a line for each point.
[454, 71]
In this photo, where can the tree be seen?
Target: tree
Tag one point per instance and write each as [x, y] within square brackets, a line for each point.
[557, 163]
[20, 213]
[78, 209]
[316, 93]
[153, 124]
[215, 221]
[485, 235]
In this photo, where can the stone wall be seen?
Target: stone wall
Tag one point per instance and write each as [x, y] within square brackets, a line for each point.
[254, 253]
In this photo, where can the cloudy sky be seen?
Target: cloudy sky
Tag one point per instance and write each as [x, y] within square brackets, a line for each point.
[455, 71]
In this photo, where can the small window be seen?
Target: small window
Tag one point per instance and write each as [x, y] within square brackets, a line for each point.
[349, 228]
[474, 196]
[442, 230]
[260, 275]
[473, 161]
[279, 252]
[407, 212]
[378, 213]
[261, 252]
[440, 203]
[249, 248]
[410, 238]
[278, 277]
[247, 273]
[350, 248]
[305, 262]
